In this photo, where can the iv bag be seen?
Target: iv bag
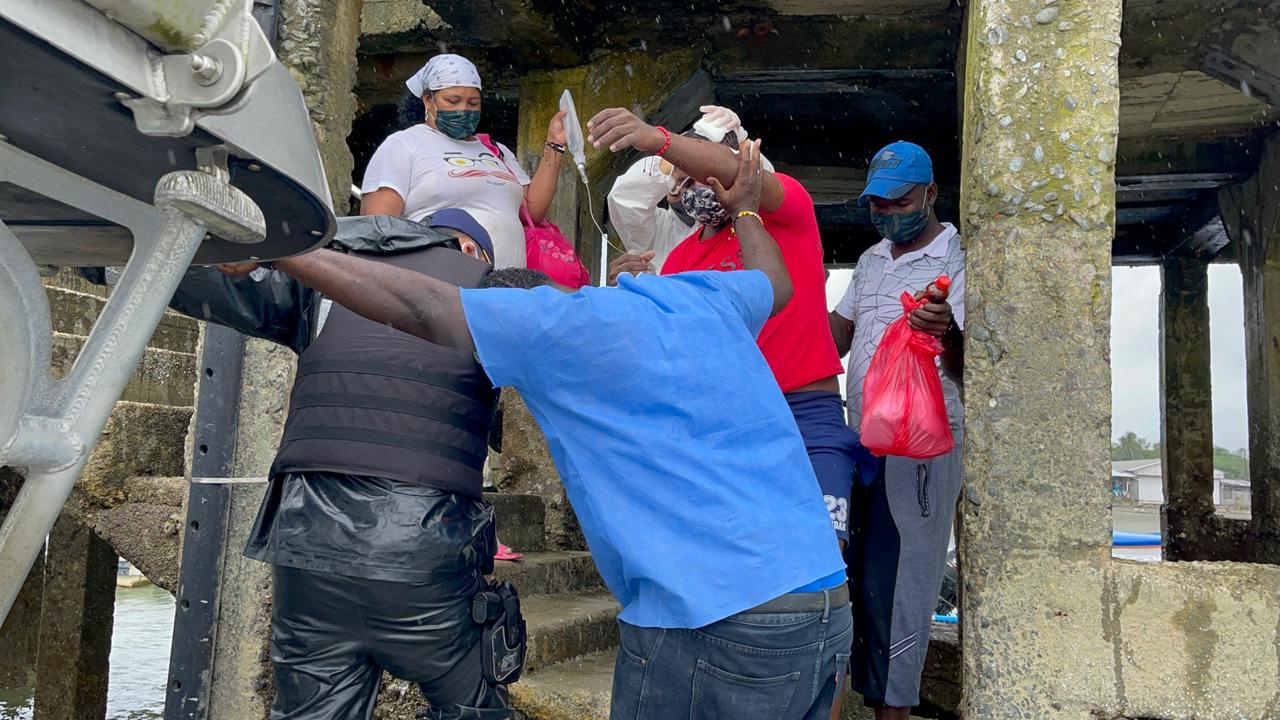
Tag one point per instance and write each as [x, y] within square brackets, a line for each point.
[573, 129]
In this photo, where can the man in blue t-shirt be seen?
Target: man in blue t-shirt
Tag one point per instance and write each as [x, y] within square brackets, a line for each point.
[688, 474]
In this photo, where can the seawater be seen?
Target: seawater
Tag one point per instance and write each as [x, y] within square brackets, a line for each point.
[139, 659]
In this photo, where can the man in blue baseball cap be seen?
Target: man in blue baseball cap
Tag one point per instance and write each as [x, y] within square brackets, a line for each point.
[902, 508]
[472, 238]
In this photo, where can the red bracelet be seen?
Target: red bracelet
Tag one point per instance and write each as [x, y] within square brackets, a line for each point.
[666, 145]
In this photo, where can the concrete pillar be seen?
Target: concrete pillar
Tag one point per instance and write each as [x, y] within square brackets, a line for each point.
[1191, 529]
[1251, 214]
[241, 684]
[1041, 98]
[19, 635]
[633, 80]
[317, 42]
[75, 626]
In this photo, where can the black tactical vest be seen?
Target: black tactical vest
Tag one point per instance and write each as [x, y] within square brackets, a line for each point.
[370, 400]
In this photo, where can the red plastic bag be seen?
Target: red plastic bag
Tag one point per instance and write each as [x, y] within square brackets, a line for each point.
[903, 411]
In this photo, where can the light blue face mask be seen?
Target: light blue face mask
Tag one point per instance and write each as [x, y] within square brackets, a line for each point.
[901, 228]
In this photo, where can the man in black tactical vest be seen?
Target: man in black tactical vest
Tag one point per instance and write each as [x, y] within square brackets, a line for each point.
[373, 519]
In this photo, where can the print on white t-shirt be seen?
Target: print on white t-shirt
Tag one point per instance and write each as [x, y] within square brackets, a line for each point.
[432, 171]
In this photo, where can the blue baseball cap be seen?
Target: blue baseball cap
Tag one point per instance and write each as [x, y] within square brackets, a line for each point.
[461, 221]
[896, 169]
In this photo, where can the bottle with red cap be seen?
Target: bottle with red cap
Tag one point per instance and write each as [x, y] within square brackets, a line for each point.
[938, 289]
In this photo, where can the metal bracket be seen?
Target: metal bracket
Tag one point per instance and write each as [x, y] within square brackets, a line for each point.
[212, 50]
[207, 78]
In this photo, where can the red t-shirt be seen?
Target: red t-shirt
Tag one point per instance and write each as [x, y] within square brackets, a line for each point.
[797, 341]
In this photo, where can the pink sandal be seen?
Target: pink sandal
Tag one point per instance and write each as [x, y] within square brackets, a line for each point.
[506, 553]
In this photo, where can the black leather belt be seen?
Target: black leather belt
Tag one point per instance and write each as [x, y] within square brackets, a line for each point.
[804, 602]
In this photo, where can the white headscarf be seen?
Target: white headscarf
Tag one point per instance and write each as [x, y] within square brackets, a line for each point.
[444, 71]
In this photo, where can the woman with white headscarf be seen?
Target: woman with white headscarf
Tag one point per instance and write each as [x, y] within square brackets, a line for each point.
[440, 163]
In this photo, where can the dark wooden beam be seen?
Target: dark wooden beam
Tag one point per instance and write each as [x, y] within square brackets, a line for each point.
[824, 82]
[1181, 181]
[1191, 228]
[1252, 68]
[1145, 214]
[844, 116]
[1189, 154]
[682, 108]
[1170, 189]
[747, 40]
[1202, 233]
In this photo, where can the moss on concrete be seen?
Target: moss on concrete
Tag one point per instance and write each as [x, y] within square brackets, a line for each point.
[139, 440]
[527, 468]
[317, 43]
[146, 535]
[639, 81]
[73, 662]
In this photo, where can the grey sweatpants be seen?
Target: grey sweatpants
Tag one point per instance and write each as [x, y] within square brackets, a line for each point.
[899, 529]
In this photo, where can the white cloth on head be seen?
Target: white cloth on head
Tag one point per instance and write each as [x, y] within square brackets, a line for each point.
[442, 71]
[719, 121]
[431, 171]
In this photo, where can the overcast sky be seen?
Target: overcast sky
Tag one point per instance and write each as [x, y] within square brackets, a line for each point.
[1135, 357]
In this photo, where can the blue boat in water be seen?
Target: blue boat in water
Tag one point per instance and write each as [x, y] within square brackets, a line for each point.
[1135, 540]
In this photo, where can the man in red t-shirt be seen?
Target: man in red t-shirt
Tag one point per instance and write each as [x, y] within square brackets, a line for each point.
[796, 342]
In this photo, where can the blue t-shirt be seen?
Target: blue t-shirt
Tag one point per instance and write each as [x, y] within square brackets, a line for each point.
[675, 445]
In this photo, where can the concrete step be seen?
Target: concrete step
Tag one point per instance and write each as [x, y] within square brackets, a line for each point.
[522, 520]
[163, 377]
[568, 625]
[140, 439]
[550, 573]
[75, 311]
[576, 689]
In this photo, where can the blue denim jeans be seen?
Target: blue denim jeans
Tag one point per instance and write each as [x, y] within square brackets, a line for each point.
[746, 667]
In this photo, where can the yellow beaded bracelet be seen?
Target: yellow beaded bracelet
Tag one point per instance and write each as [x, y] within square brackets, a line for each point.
[750, 213]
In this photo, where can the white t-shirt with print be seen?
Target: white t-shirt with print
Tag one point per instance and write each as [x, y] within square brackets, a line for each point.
[873, 301]
[431, 171]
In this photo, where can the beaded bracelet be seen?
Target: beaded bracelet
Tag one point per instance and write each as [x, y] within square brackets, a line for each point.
[666, 145]
[749, 213]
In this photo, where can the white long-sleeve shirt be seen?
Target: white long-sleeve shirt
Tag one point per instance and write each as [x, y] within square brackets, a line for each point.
[634, 211]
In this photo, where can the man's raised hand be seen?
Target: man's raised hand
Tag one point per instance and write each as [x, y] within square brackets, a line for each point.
[619, 128]
[744, 195]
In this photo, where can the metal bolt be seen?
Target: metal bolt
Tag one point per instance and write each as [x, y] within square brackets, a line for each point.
[206, 69]
[122, 96]
[254, 167]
